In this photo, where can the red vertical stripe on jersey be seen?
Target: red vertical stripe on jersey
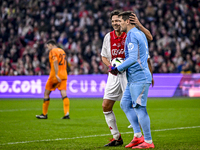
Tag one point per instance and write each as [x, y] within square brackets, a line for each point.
[117, 45]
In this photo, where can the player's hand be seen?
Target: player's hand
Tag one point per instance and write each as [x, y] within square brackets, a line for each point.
[58, 78]
[113, 70]
[110, 68]
[152, 82]
[133, 19]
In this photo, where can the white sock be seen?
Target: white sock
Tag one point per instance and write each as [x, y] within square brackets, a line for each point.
[148, 141]
[138, 135]
[111, 122]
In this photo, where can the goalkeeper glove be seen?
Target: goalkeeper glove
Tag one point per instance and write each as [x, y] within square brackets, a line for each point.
[113, 70]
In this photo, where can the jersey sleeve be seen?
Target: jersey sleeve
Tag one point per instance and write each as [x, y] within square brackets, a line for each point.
[106, 42]
[52, 56]
[132, 46]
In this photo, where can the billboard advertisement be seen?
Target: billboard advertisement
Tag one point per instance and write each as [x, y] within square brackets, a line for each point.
[34, 86]
[89, 86]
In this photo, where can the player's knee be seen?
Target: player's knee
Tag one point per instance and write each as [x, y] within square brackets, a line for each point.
[141, 111]
[106, 107]
[63, 97]
[46, 99]
[46, 93]
[46, 96]
[125, 106]
[63, 93]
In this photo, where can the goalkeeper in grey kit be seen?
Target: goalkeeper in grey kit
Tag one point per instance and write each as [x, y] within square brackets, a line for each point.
[112, 49]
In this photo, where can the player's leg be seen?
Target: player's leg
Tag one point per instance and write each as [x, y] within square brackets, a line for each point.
[139, 93]
[46, 101]
[107, 106]
[113, 92]
[145, 124]
[66, 103]
[111, 122]
[50, 86]
[45, 105]
[123, 81]
[126, 105]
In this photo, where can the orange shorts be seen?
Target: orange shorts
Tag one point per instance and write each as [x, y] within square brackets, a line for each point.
[52, 86]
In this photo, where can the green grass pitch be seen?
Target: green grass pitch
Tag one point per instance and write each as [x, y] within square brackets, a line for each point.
[175, 125]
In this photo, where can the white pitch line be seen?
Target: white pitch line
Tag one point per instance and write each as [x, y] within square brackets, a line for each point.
[25, 109]
[89, 136]
[31, 109]
[11, 110]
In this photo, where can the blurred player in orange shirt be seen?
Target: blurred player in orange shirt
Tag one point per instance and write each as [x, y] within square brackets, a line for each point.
[57, 79]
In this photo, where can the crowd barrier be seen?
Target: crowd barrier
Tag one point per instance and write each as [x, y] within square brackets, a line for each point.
[89, 86]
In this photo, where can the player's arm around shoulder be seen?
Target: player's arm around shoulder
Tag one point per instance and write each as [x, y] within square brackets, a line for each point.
[134, 19]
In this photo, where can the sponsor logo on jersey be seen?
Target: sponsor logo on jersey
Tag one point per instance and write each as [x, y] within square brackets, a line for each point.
[116, 52]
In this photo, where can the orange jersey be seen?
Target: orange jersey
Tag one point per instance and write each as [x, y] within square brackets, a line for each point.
[59, 55]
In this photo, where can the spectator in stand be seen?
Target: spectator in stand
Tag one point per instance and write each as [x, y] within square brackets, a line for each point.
[79, 29]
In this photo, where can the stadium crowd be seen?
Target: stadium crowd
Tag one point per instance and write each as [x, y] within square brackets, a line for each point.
[80, 26]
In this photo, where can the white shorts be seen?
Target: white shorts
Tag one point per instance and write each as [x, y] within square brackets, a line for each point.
[115, 86]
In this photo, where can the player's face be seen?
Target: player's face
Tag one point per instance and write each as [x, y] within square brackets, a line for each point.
[123, 25]
[115, 23]
[49, 46]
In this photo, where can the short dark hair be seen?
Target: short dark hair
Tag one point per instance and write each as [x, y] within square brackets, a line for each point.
[114, 12]
[125, 15]
[51, 41]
